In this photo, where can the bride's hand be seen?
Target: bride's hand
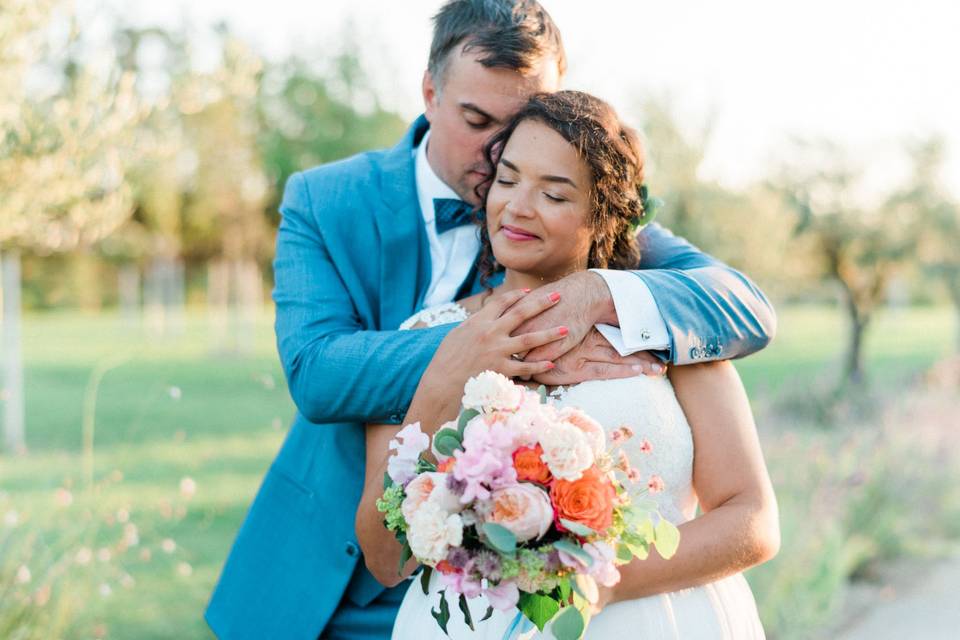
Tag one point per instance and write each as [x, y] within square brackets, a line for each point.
[484, 341]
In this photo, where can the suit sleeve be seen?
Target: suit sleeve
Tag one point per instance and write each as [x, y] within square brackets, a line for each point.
[712, 311]
[336, 370]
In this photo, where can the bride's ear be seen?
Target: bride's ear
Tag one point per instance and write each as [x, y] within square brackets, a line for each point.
[431, 94]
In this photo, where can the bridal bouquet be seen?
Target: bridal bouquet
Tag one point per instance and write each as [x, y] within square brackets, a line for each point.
[526, 505]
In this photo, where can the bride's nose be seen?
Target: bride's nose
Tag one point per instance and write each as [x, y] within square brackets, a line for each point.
[520, 204]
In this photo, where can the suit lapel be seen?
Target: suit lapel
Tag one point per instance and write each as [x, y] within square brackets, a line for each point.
[404, 248]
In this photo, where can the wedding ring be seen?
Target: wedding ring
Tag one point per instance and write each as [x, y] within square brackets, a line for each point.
[517, 357]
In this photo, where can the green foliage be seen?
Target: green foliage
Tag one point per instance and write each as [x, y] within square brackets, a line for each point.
[538, 608]
[447, 441]
[442, 615]
[499, 537]
[569, 624]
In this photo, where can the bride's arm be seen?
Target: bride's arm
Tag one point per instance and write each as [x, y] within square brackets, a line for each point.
[381, 551]
[739, 525]
[481, 342]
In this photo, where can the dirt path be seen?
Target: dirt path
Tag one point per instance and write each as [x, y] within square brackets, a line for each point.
[929, 609]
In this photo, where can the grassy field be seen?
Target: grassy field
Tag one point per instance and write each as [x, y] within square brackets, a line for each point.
[183, 435]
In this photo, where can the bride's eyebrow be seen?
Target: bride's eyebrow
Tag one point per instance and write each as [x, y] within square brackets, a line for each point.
[563, 179]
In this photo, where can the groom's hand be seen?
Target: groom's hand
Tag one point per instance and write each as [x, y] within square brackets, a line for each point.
[594, 359]
[584, 354]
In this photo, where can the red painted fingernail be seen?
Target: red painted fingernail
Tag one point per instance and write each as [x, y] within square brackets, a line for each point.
[550, 365]
[563, 331]
[554, 297]
[526, 290]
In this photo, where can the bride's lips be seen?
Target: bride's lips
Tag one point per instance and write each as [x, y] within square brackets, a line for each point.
[516, 234]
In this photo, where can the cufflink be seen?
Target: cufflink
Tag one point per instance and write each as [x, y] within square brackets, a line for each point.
[645, 335]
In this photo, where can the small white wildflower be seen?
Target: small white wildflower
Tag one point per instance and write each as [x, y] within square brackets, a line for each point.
[131, 536]
[84, 556]
[23, 575]
[103, 554]
[105, 590]
[184, 569]
[168, 545]
[188, 487]
[11, 518]
[175, 393]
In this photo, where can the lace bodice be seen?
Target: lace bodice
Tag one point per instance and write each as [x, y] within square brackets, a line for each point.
[647, 405]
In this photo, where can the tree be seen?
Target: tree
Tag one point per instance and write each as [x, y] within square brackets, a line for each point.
[938, 217]
[857, 246]
[62, 162]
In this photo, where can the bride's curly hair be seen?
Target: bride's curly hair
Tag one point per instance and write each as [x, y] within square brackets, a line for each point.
[615, 157]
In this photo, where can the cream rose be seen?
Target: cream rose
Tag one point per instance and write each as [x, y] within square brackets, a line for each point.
[523, 509]
[430, 486]
[432, 531]
[491, 391]
[566, 450]
[596, 436]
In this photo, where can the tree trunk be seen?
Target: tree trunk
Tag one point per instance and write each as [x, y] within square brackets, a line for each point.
[128, 285]
[13, 406]
[248, 299]
[953, 284]
[853, 367]
[218, 303]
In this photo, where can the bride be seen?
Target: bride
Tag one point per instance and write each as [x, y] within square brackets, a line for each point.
[565, 196]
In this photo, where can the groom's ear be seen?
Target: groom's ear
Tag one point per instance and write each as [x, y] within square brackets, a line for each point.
[430, 96]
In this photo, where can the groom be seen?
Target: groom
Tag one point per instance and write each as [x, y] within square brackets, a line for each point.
[366, 242]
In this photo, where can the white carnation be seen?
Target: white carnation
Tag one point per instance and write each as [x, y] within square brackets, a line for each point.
[566, 450]
[491, 391]
[432, 531]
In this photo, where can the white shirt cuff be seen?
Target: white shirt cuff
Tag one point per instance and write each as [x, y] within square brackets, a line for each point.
[642, 328]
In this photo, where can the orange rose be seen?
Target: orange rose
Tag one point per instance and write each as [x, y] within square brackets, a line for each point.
[530, 466]
[588, 500]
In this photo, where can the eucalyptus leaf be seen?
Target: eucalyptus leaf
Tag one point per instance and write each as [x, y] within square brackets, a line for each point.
[487, 615]
[542, 390]
[668, 538]
[538, 608]
[568, 625]
[467, 618]
[465, 417]
[387, 482]
[572, 548]
[425, 579]
[577, 528]
[499, 537]
[446, 442]
[443, 615]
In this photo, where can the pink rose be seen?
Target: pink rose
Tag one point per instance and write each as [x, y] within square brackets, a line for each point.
[524, 509]
[429, 486]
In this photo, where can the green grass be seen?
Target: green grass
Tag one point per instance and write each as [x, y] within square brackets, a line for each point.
[176, 408]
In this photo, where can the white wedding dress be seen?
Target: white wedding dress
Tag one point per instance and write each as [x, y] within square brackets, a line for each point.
[721, 610]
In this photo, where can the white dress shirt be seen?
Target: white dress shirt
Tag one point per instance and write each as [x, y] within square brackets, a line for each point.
[453, 252]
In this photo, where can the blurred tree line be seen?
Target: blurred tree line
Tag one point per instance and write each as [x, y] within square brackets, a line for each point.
[132, 175]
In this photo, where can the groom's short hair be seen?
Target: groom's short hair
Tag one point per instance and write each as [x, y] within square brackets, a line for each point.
[510, 34]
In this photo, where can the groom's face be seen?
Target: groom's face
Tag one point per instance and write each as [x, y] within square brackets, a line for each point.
[467, 106]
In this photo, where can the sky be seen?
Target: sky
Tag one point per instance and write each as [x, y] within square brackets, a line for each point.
[868, 75]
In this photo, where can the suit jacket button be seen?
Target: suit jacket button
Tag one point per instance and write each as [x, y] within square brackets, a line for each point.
[352, 550]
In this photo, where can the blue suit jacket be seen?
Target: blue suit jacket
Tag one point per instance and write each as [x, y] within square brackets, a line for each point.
[352, 263]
